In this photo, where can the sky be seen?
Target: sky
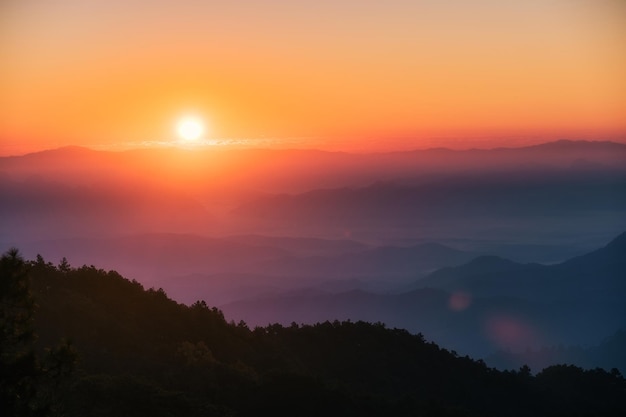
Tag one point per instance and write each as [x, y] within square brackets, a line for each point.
[336, 75]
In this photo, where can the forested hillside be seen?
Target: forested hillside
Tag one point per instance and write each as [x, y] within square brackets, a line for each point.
[106, 346]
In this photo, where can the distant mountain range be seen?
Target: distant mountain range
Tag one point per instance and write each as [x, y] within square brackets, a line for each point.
[265, 169]
[530, 194]
[486, 304]
[380, 198]
[601, 270]
[218, 269]
[387, 261]
[38, 209]
[466, 246]
[225, 269]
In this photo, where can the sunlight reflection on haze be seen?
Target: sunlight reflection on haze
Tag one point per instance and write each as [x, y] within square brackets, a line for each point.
[510, 333]
[459, 301]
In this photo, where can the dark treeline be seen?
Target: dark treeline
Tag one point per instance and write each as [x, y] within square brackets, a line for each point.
[105, 346]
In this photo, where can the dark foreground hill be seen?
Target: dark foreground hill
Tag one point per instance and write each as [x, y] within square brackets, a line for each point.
[138, 353]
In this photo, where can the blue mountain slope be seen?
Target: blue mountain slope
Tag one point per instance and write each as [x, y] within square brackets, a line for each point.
[486, 304]
[603, 271]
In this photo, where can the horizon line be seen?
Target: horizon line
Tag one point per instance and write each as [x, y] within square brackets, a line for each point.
[239, 145]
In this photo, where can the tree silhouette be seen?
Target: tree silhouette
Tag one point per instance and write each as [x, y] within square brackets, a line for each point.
[144, 354]
[18, 365]
[28, 386]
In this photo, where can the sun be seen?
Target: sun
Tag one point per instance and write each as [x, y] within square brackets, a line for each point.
[190, 129]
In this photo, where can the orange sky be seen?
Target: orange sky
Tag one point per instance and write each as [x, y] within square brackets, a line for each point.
[328, 74]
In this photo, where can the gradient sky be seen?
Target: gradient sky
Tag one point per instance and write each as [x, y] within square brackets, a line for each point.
[327, 74]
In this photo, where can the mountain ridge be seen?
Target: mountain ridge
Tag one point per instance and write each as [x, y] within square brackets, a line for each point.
[481, 301]
[555, 145]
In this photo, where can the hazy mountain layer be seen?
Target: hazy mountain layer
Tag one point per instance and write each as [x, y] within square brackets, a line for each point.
[487, 304]
[311, 233]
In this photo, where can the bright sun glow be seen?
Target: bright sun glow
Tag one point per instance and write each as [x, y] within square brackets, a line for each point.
[190, 129]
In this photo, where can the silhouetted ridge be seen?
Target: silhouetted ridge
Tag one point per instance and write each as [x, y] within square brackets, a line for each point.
[618, 244]
[71, 151]
[487, 264]
[143, 354]
[566, 144]
[614, 253]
